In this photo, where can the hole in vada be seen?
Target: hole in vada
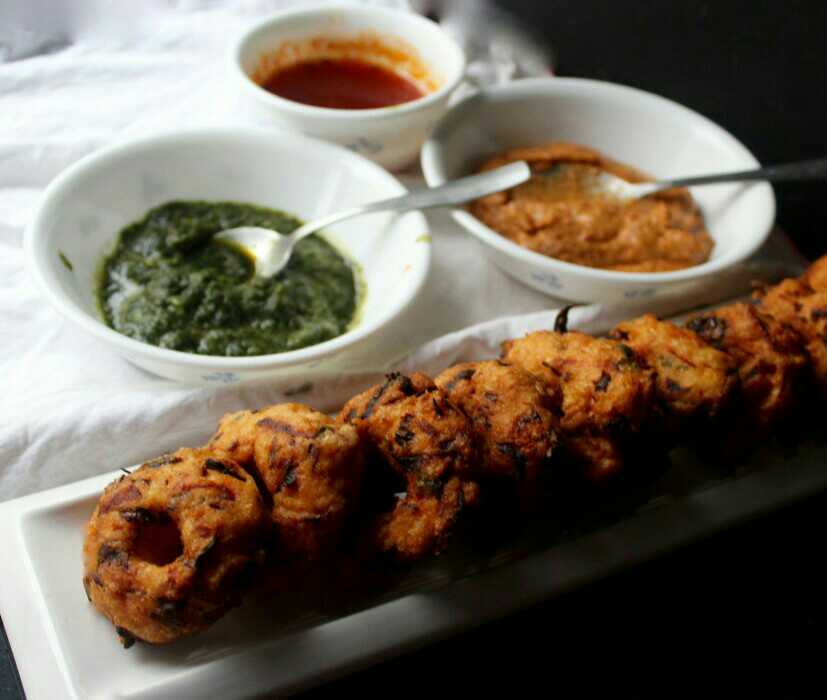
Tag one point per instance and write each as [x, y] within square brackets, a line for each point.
[157, 540]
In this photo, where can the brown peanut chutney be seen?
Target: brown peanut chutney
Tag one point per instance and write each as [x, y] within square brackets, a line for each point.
[555, 213]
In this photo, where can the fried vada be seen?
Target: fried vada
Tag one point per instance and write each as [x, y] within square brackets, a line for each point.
[769, 355]
[606, 387]
[514, 420]
[172, 546]
[796, 304]
[310, 467]
[694, 381]
[412, 430]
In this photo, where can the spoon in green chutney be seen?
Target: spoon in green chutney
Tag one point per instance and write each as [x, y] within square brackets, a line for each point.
[272, 250]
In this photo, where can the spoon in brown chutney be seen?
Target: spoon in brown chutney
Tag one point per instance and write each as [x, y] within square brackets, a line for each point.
[601, 183]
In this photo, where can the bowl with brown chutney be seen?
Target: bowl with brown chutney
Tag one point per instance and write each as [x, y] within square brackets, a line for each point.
[556, 234]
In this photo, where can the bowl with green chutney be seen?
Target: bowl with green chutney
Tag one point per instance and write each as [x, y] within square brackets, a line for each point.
[123, 246]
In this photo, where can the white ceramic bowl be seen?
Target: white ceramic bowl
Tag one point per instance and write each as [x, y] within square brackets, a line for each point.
[390, 136]
[649, 132]
[83, 210]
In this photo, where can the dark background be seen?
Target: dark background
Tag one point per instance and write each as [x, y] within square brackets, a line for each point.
[742, 613]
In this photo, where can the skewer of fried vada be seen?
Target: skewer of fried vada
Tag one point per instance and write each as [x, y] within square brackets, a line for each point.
[171, 546]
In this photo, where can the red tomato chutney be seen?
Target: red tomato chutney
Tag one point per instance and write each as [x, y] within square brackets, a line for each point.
[342, 83]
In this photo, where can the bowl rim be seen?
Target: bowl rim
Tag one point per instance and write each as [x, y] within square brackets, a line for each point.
[434, 173]
[301, 109]
[35, 254]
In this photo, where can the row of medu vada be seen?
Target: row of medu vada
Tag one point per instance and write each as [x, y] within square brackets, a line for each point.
[173, 545]
[164, 555]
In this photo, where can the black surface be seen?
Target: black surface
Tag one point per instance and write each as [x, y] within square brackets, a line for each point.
[740, 615]
[10, 686]
[743, 613]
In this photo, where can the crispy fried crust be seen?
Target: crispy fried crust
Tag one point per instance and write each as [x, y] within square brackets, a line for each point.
[311, 467]
[171, 546]
[412, 429]
[607, 392]
[769, 356]
[798, 305]
[815, 276]
[692, 379]
[514, 420]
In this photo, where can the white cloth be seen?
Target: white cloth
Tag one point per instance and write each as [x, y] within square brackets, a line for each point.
[88, 73]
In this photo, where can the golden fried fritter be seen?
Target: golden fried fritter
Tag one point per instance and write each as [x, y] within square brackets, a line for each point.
[692, 379]
[815, 276]
[171, 546]
[769, 355]
[412, 429]
[607, 392]
[417, 526]
[513, 417]
[798, 305]
[311, 467]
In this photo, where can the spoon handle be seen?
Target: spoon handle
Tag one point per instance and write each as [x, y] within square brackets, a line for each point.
[456, 192]
[802, 170]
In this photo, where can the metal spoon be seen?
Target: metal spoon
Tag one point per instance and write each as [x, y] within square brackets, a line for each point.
[271, 250]
[605, 183]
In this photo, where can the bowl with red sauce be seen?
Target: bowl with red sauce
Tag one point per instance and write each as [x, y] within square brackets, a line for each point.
[369, 78]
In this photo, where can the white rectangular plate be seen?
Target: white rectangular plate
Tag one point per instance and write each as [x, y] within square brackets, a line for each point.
[63, 648]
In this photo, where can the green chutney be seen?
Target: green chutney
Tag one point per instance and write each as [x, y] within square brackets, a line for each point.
[170, 284]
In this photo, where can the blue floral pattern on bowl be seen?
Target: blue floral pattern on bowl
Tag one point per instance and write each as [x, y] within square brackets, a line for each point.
[221, 377]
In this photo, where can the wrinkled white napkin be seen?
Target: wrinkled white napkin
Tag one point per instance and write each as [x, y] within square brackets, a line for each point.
[81, 73]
